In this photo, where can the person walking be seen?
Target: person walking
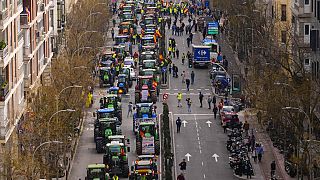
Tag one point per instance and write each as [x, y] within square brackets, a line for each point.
[130, 106]
[112, 34]
[191, 37]
[183, 75]
[188, 84]
[214, 100]
[224, 126]
[183, 58]
[246, 127]
[188, 41]
[179, 98]
[192, 77]
[177, 53]
[260, 151]
[215, 111]
[181, 177]
[178, 123]
[189, 104]
[254, 154]
[209, 100]
[183, 165]
[200, 98]
[273, 169]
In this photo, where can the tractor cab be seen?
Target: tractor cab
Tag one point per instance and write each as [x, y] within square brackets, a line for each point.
[147, 41]
[103, 128]
[111, 101]
[109, 113]
[143, 169]
[145, 90]
[123, 83]
[147, 55]
[144, 110]
[105, 77]
[122, 39]
[147, 20]
[106, 64]
[126, 28]
[149, 64]
[97, 172]
[116, 159]
[150, 47]
[127, 15]
[120, 138]
[114, 90]
[151, 72]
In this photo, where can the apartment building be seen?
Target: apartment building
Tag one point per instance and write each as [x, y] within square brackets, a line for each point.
[12, 99]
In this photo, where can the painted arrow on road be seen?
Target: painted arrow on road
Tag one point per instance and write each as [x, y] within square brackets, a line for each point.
[184, 123]
[209, 123]
[215, 156]
[188, 156]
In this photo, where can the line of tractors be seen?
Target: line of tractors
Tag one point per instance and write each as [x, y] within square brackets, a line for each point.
[117, 69]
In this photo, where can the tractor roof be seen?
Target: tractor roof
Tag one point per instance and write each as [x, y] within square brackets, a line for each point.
[143, 162]
[148, 60]
[108, 119]
[94, 166]
[145, 77]
[148, 52]
[111, 95]
[149, 70]
[115, 143]
[144, 104]
[146, 156]
[116, 137]
[147, 37]
[105, 110]
[122, 36]
[114, 88]
[122, 75]
[147, 123]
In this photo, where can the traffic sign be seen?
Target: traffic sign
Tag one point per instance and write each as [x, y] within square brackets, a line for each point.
[201, 53]
[213, 28]
[206, 4]
[165, 96]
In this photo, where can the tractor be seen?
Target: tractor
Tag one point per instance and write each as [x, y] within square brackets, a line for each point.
[114, 90]
[144, 112]
[116, 158]
[106, 77]
[111, 101]
[145, 90]
[144, 169]
[147, 139]
[103, 128]
[109, 113]
[123, 83]
[97, 172]
[119, 138]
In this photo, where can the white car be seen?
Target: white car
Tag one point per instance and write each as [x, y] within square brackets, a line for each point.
[128, 62]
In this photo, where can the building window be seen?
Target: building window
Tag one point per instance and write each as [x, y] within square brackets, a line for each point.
[307, 62]
[306, 29]
[51, 18]
[306, 2]
[272, 12]
[283, 36]
[4, 4]
[283, 12]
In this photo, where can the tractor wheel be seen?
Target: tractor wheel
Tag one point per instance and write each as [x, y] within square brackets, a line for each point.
[125, 171]
[157, 147]
[153, 97]
[95, 134]
[138, 148]
[136, 97]
[99, 146]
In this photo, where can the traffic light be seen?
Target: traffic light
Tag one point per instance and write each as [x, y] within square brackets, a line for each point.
[190, 63]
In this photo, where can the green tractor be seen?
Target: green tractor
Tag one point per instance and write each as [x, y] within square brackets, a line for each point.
[97, 172]
[103, 128]
[144, 169]
[112, 101]
[105, 77]
[109, 113]
[116, 158]
[147, 140]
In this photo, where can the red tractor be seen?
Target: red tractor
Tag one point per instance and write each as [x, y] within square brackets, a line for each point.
[145, 90]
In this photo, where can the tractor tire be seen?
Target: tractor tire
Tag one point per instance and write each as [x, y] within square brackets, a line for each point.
[157, 147]
[136, 98]
[153, 97]
[95, 134]
[99, 146]
[125, 171]
[138, 148]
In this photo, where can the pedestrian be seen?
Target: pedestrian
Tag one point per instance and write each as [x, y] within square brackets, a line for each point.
[188, 84]
[188, 41]
[177, 53]
[192, 77]
[174, 29]
[178, 123]
[183, 165]
[114, 22]
[183, 75]
[112, 34]
[215, 111]
[260, 151]
[115, 177]
[273, 169]
[253, 142]
[214, 100]
[209, 100]
[181, 177]
[224, 126]
[130, 106]
[179, 98]
[191, 37]
[254, 154]
[247, 170]
[220, 106]
[246, 127]
[225, 64]
[170, 68]
[183, 58]
[189, 104]
[200, 98]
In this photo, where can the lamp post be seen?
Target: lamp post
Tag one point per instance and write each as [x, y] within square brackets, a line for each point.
[97, 5]
[68, 87]
[89, 16]
[38, 147]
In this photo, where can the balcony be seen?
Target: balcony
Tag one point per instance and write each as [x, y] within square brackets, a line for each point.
[3, 50]
[24, 20]
[4, 88]
[3, 18]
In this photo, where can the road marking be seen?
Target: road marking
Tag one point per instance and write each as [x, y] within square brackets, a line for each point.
[206, 89]
[204, 176]
[202, 163]
[199, 89]
[184, 123]
[188, 156]
[191, 89]
[215, 156]
[191, 93]
[209, 123]
[175, 89]
[160, 145]
[198, 136]
[193, 114]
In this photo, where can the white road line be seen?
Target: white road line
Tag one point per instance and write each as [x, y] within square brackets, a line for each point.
[204, 176]
[200, 151]
[191, 89]
[192, 94]
[199, 89]
[183, 89]
[175, 89]
[206, 89]
[202, 163]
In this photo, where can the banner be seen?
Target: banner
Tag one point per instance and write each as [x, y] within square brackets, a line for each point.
[148, 145]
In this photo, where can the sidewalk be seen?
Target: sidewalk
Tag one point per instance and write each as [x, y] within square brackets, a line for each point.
[271, 153]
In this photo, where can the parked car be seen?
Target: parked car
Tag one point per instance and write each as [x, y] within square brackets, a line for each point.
[230, 118]
[226, 109]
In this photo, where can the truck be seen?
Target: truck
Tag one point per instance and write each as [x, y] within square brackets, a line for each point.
[201, 56]
[214, 46]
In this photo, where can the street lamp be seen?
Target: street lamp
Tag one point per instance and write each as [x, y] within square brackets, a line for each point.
[57, 112]
[97, 5]
[91, 14]
[68, 87]
[38, 147]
